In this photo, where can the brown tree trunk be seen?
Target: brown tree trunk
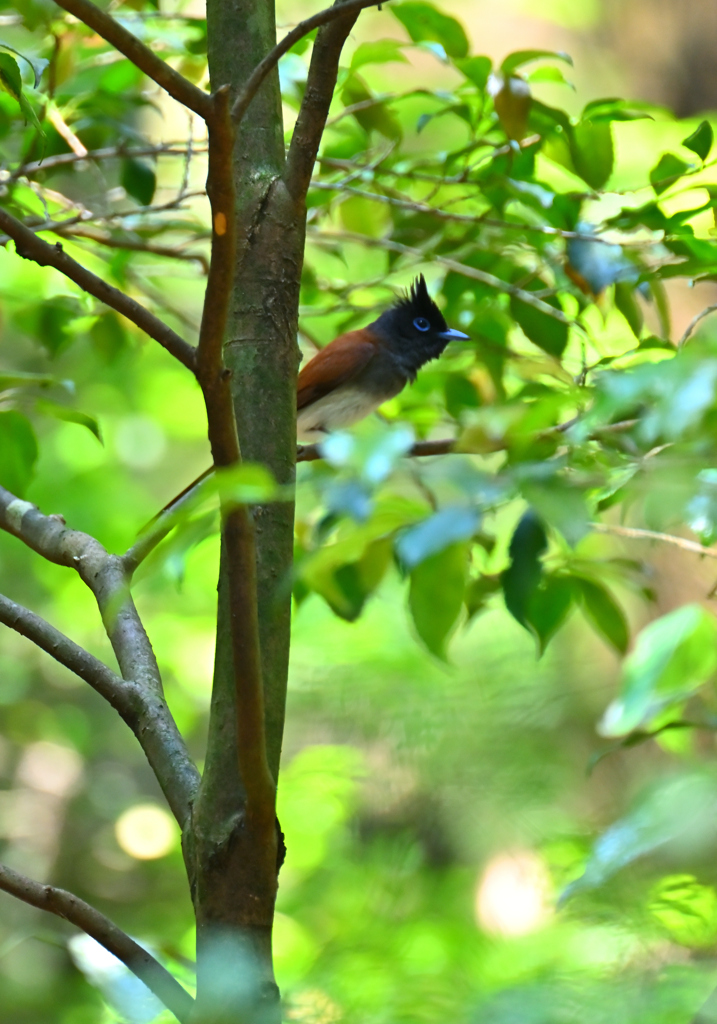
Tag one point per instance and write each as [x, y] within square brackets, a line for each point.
[234, 870]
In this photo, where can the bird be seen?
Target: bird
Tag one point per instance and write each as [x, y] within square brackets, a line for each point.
[360, 370]
[357, 372]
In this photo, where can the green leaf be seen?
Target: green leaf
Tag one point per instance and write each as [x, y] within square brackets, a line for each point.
[626, 302]
[673, 657]
[682, 808]
[686, 910]
[108, 336]
[520, 57]
[62, 412]
[548, 608]
[382, 51]
[10, 77]
[700, 141]
[436, 533]
[18, 452]
[50, 322]
[18, 379]
[666, 172]
[591, 148]
[436, 596]
[139, 180]
[424, 22]
[522, 577]
[604, 612]
[476, 70]
[349, 586]
[38, 64]
[543, 330]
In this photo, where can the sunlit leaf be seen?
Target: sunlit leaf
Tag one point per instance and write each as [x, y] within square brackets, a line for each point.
[382, 51]
[673, 657]
[516, 60]
[436, 533]
[423, 21]
[592, 152]
[682, 808]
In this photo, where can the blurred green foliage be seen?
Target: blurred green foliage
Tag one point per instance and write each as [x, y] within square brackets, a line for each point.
[458, 622]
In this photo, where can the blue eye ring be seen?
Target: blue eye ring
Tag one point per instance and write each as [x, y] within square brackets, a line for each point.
[421, 324]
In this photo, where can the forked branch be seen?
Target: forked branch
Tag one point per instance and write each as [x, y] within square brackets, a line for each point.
[178, 87]
[89, 920]
[319, 92]
[272, 58]
[144, 708]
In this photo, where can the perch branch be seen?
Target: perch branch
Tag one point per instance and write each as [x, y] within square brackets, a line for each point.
[107, 578]
[273, 57]
[30, 247]
[89, 920]
[178, 87]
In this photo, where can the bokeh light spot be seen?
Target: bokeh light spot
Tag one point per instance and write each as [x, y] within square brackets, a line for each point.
[146, 832]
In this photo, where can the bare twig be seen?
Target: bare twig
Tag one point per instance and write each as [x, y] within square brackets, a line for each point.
[30, 247]
[178, 87]
[636, 533]
[693, 323]
[320, 84]
[89, 920]
[312, 452]
[108, 153]
[132, 244]
[238, 525]
[272, 58]
[106, 576]
[460, 268]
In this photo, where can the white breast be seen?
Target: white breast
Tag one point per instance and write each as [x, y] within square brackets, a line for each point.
[341, 408]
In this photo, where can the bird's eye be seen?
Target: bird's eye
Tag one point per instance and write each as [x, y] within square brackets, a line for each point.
[421, 324]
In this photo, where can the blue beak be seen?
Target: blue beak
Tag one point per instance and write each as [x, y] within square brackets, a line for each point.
[451, 335]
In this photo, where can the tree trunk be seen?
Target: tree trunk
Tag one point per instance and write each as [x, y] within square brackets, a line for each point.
[233, 872]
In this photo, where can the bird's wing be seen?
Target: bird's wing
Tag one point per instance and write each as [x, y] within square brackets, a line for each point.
[333, 366]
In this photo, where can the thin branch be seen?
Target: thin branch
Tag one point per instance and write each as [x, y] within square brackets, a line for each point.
[312, 452]
[30, 247]
[89, 920]
[636, 533]
[237, 526]
[466, 218]
[272, 58]
[48, 163]
[319, 92]
[132, 245]
[693, 323]
[162, 524]
[67, 653]
[178, 87]
[146, 711]
[460, 268]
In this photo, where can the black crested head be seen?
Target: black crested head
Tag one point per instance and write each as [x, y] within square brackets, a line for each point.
[414, 330]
